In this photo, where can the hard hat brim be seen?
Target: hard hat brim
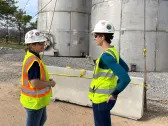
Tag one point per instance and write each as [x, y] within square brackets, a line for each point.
[35, 42]
[100, 32]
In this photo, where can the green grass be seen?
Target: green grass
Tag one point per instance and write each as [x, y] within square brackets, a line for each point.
[11, 45]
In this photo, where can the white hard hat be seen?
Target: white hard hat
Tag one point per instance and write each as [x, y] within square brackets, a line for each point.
[34, 36]
[104, 26]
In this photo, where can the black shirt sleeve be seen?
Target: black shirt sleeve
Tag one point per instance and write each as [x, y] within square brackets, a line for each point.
[34, 71]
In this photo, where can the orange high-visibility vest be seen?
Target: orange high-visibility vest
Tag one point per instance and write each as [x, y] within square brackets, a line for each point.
[34, 98]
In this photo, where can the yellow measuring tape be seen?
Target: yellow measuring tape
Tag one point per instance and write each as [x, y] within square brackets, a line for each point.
[83, 71]
[68, 75]
[81, 75]
[141, 85]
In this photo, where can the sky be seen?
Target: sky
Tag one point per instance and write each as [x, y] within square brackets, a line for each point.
[31, 8]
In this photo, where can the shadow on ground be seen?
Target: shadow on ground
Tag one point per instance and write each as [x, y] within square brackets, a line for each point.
[155, 109]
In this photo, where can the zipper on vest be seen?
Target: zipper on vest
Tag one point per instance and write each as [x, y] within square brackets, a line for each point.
[93, 90]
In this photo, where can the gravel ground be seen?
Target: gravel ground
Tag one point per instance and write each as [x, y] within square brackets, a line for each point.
[157, 82]
[10, 73]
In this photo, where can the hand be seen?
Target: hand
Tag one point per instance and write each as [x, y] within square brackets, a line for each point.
[110, 98]
[52, 82]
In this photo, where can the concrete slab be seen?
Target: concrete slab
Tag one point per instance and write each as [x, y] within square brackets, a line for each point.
[72, 88]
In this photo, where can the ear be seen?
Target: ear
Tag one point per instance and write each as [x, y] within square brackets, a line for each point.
[103, 37]
[32, 46]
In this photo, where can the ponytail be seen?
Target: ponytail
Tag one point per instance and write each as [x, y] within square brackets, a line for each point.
[27, 47]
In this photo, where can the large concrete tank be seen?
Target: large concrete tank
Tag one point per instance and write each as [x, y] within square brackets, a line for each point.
[69, 28]
[128, 19]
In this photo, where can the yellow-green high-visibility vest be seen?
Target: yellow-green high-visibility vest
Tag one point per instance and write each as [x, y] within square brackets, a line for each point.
[34, 98]
[104, 81]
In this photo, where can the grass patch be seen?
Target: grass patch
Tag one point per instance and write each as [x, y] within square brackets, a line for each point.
[12, 45]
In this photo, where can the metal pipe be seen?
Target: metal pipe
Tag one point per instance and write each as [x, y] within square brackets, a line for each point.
[145, 67]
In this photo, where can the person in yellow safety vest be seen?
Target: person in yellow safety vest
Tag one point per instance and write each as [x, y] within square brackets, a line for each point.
[36, 83]
[110, 75]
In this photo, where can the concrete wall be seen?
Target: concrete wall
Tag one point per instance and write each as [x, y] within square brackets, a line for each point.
[74, 89]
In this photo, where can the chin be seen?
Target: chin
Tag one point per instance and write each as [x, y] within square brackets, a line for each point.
[97, 43]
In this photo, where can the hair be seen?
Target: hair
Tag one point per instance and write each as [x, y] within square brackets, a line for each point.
[108, 36]
[28, 46]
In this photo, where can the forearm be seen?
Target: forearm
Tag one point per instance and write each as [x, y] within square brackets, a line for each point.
[36, 83]
[123, 77]
[119, 71]
[121, 85]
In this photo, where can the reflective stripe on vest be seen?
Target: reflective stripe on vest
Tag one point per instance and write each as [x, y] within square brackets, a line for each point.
[33, 93]
[103, 74]
[28, 62]
[101, 91]
[26, 86]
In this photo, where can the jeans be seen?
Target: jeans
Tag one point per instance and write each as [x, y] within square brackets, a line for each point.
[102, 113]
[36, 117]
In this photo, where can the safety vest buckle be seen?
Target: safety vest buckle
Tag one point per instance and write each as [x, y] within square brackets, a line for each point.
[92, 89]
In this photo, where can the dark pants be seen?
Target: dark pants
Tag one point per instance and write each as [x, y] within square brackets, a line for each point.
[102, 113]
[36, 117]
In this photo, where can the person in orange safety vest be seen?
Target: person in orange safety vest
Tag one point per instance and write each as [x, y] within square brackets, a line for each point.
[36, 83]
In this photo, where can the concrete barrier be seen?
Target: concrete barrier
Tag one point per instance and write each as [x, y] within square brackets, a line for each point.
[72, 88]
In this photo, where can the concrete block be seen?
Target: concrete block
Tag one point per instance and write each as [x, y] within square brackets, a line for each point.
[72, 88]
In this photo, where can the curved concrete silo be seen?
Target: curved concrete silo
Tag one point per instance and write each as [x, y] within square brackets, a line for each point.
[69, 27]
[128, 19]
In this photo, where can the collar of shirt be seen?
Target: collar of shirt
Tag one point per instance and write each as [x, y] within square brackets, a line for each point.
[36, 54]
